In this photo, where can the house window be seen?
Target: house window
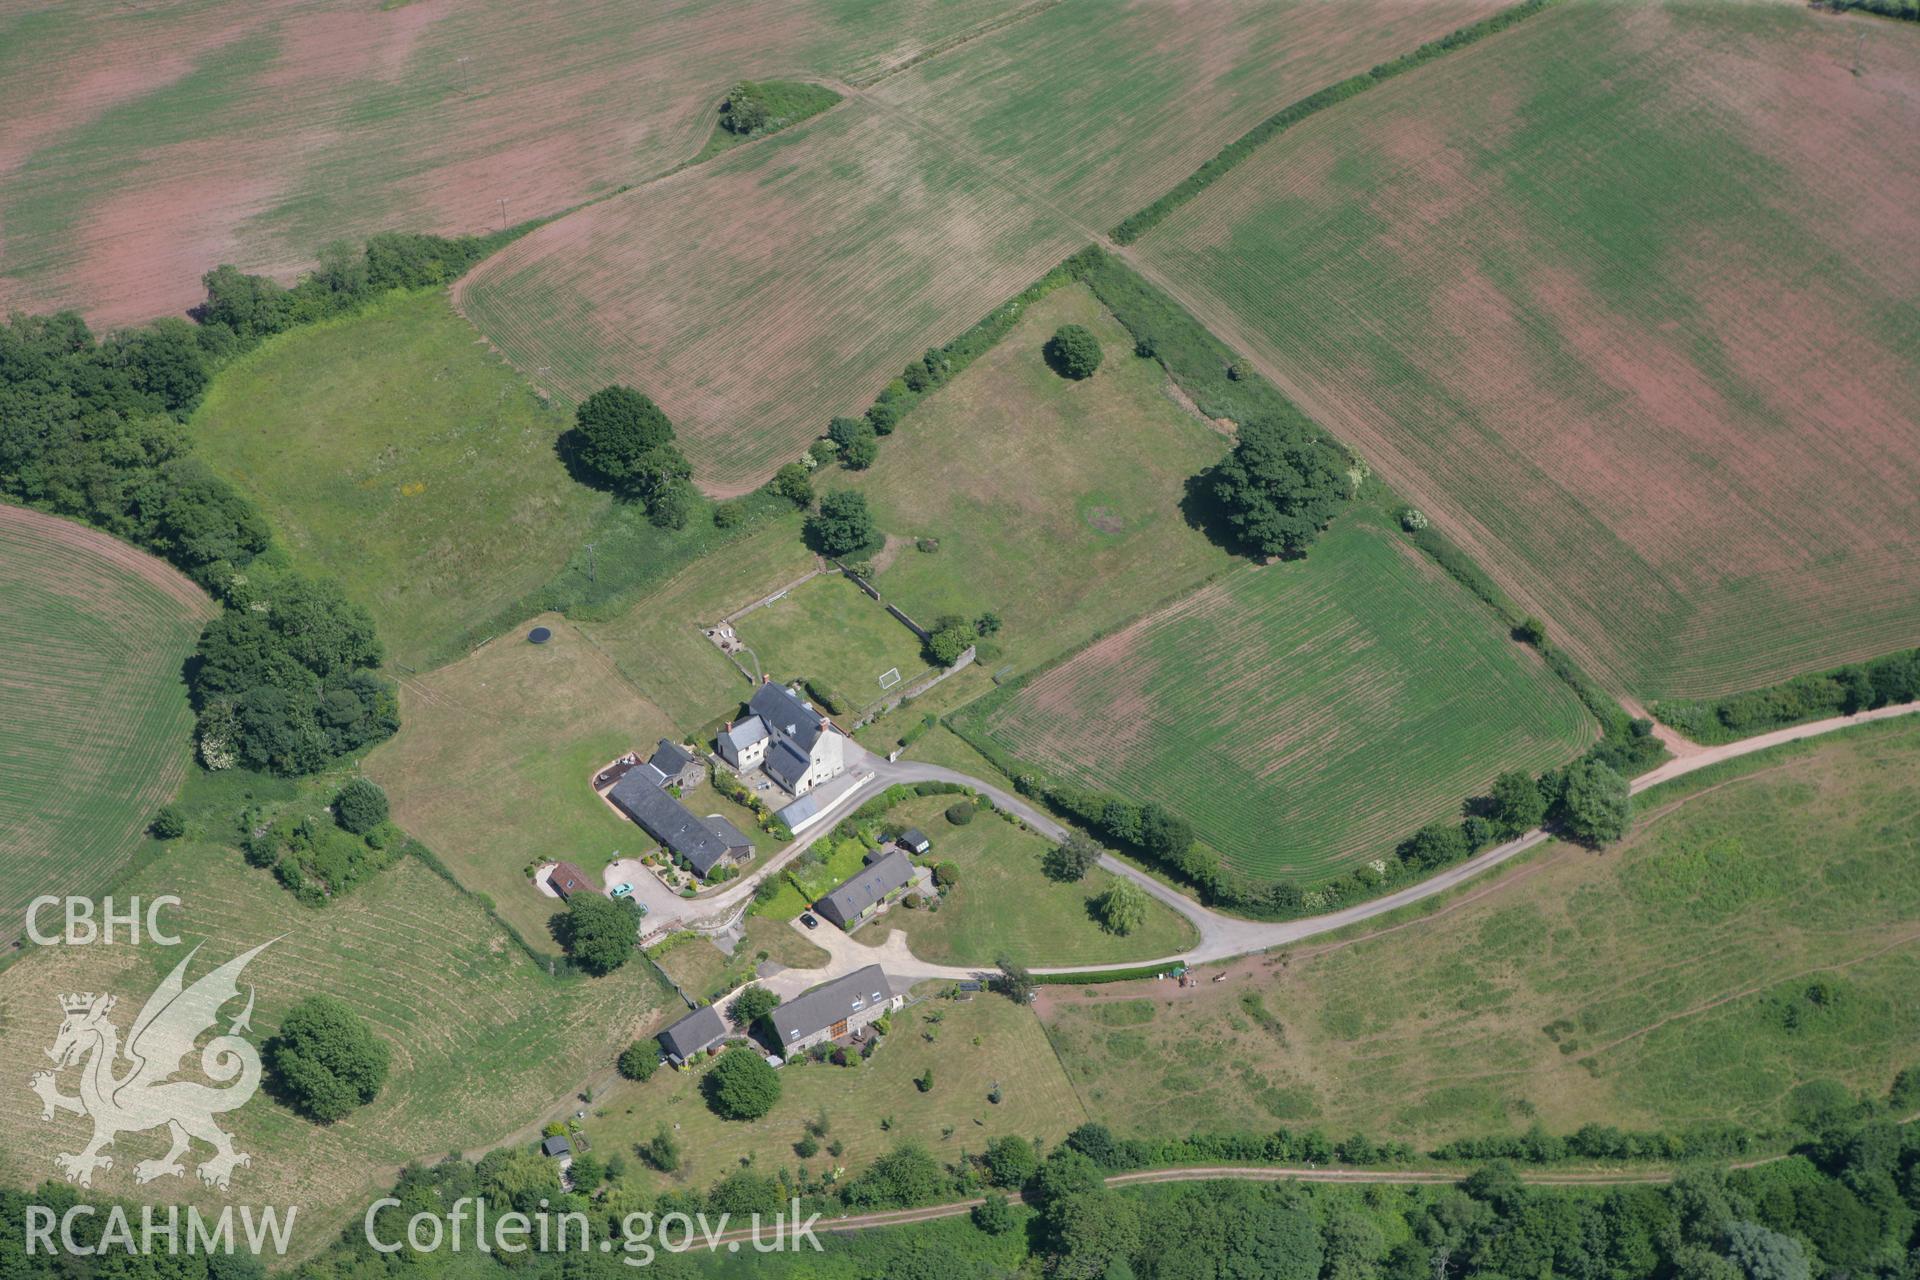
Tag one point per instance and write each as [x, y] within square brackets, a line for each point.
[858, 1003]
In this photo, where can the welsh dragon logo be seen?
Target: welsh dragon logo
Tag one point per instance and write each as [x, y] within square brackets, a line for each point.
[131, 1089]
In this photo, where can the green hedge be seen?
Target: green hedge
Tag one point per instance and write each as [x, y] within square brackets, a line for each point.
[1891, 680]
[1137, 225]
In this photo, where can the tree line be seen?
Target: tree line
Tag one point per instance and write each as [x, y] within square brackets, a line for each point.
[1887, 681]
[286, 678]
[1843, 1205]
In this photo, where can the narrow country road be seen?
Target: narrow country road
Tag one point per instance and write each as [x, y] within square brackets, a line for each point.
[1225, 937]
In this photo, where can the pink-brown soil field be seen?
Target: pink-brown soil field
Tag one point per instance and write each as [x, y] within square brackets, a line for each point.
[760, 295]
[757, 296]
[1266, 707]
[146, 144]
[1623, 298]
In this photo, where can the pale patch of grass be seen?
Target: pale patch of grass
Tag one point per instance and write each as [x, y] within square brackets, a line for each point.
[494, 762]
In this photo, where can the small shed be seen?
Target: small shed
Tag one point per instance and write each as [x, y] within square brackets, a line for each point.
[915, 841]
[556, 1146]
[567, 880]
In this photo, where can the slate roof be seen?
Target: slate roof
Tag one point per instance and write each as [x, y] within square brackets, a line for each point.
[556, 1145]
[745, 733]
[915, 839]
[664, 818]
[828, 1003]
[669, 758]
[865, 887]
[787, 763]
[786, 715]
[800, 810]
[692, 1033]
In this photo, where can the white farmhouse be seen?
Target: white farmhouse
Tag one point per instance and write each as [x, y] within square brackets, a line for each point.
[797, 746]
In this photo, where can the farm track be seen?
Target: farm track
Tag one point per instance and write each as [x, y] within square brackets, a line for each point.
[1249, 1173]
[1225, 937]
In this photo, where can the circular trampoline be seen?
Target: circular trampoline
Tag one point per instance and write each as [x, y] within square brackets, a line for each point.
[539, 635]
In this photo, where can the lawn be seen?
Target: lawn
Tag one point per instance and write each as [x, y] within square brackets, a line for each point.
[1622, 298]
[481, 1037]
[95, 731]
[828, 629]
[780, 284]
[146, 144]
[705, 972]
[975, 1045]
[1054, 503]
[657, 642]
[1303, 716]
[495, 756]
[393, 452]
[1004, 904]
[1661, 984]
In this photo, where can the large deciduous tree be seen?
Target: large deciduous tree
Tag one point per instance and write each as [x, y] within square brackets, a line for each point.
[842, 525]
[599, 933]
[1595, 804]
[741, 1085]
[1280, 486]
[325, 1060]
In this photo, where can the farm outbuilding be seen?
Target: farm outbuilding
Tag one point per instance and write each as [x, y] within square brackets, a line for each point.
[568, 880]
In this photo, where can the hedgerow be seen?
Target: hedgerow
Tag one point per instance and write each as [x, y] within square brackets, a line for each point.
[1887, 681]
[1222, 162]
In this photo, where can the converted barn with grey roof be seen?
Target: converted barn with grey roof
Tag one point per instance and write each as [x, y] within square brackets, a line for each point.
[853, 902]
[834, 1009]
[704, 842]
[701, 1029]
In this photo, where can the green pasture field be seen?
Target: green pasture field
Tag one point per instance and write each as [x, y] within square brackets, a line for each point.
[481, 1037]
[829, 629]
[1303, 716]
[1055, 504]
[657, 643]
[1671, 417]
[494, 762]
[392, 451]
[781, 284]
[149, 144]
[1756, 931]
[1004, 904]
[95, 731]
[974, 1045]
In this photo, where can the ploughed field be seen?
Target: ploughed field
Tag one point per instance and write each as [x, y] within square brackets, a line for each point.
[95, 731]
[1303, 716]
[1624, 298]
[146, 144]
[759, 295]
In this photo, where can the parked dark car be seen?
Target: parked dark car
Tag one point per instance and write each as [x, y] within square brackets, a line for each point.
[806, 918]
